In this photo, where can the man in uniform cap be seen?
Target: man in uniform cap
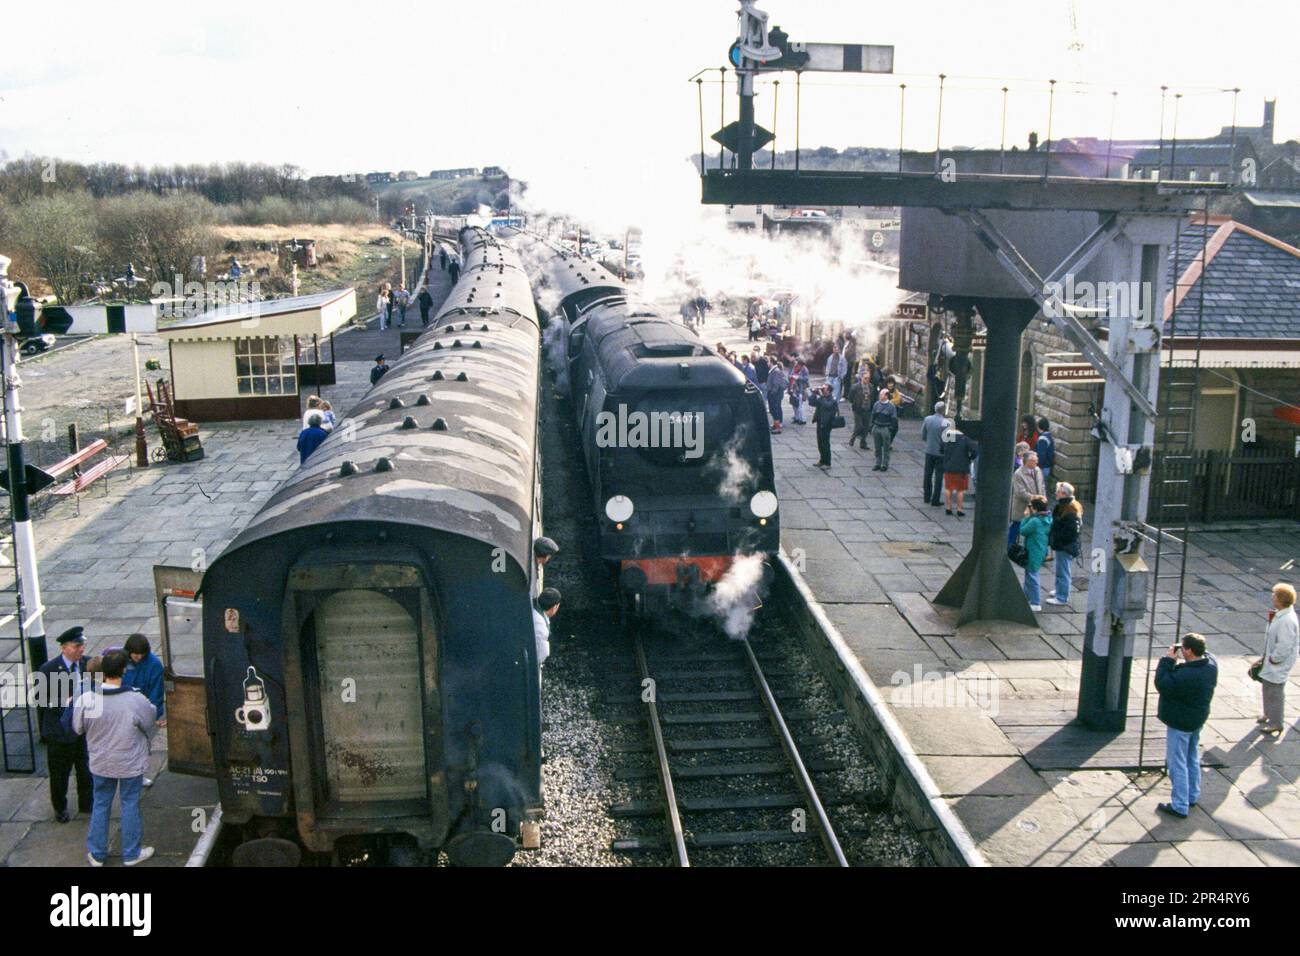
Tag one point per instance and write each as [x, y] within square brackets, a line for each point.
[65, 749]
[543, 550]
[545, 608]
[379, 371]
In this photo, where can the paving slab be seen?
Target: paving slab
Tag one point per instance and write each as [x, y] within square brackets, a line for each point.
[1069, 815]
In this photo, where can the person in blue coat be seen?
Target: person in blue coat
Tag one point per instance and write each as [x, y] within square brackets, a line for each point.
[310, 438]
[1035, 528]
[144, 672]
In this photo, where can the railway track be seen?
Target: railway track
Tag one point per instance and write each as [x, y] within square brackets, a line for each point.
[730, 771]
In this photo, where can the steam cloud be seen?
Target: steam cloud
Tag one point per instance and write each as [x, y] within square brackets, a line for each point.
[554, 339]
[687, 248]
[737, 474]
[738, 595]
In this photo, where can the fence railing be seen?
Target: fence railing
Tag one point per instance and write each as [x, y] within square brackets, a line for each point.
[1235, 486]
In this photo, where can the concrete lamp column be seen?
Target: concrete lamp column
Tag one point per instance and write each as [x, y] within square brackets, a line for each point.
[985, 586]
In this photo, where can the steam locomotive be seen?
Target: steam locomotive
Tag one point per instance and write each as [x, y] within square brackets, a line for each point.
[371, 669]
[675, 440]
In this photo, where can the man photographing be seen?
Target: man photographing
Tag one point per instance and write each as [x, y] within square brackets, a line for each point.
[1185, 691]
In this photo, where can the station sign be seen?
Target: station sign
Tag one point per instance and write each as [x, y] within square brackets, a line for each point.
[912, 311]
[1071, 373]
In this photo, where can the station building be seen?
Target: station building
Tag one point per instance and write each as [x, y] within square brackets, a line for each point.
[248, 361]
[1246, 301]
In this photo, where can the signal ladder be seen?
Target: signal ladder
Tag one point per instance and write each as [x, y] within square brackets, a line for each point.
[1169, 516]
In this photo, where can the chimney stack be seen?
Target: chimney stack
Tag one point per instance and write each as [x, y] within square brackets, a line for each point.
[1269, 107]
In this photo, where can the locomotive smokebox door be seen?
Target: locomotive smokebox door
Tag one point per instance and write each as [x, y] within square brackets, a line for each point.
[180, 622]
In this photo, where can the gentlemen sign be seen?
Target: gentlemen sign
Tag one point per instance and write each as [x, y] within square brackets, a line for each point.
[1073, 373]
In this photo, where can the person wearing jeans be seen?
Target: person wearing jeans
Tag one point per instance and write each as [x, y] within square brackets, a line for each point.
[932, 430]
[1186, 691]
[1067, 523]
[119, 723]
[1034, 528]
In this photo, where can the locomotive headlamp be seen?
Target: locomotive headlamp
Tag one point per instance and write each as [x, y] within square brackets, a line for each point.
[763, 504]
[619, 508]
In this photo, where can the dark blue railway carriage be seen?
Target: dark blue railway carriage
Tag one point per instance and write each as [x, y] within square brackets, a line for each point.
[368, 642]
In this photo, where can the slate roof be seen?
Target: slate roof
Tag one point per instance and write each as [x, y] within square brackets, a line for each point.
[1251, 283]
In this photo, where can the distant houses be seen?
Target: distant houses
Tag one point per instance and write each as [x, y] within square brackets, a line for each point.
[465, 172]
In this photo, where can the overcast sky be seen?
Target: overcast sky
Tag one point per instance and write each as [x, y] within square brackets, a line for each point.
[560, 89]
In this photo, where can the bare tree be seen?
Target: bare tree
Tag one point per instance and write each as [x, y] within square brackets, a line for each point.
[58, 235]
[160, 233]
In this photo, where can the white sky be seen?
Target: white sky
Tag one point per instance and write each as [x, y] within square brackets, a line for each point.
[570, 90]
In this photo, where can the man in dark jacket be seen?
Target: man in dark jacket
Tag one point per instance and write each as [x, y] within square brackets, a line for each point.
[426, 303]
[958, 452]
[1046, 448]
[1185, 693]
[379, 371]
[860, 402]
[884, 426]
[65, 750]
[825, 410]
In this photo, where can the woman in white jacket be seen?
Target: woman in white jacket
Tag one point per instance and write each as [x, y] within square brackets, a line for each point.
[1279, 657]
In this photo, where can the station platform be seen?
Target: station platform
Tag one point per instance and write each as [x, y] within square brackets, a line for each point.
[988, 708]
[96, 564]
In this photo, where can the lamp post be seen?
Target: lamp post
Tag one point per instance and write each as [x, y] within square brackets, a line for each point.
[130, 280]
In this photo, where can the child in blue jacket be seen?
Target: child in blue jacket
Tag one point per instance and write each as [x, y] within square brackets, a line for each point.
[1034, 529]
[144, 672]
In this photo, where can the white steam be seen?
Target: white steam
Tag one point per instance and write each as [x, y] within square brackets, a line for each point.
[687, 248]
[738, 595]
[736, 473]
[554, 344]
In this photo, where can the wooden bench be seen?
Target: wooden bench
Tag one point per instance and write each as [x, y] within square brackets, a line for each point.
[83, 480]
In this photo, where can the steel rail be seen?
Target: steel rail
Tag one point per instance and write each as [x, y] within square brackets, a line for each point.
[676, 835]
[827, 832]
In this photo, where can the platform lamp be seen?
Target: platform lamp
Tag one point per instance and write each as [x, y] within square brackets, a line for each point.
[131, 280]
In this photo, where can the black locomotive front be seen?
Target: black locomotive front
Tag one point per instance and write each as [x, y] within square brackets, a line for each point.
[678, 451]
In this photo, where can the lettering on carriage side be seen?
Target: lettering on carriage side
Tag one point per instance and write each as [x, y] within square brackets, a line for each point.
[75, 909]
